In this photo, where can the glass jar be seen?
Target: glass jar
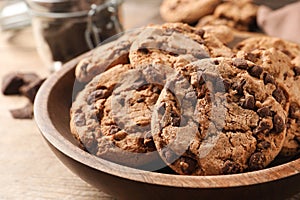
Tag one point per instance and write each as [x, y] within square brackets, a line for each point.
[65, 29]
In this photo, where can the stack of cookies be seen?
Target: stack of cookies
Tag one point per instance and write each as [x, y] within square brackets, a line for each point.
[176, 96]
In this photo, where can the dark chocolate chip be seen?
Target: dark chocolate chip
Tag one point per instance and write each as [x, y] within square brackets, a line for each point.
[96, 95]
[187, 165]
[23, 113]
[113, 129]
[251, 57]
[79, 119]
[140, 100]
[263, 126]
[249, 102]
[120, 135]
[227, 85]
[176, 121]
[297, 71]
[278, 124]
[231, 167]
[143, 50]
[200, 32]
[148, 142]
[279, 95]
[257, 161]
[268, 78]
[31, 89]
[11, 84]
[294, 111]
[255, 71]
[156, 90]
[264, 112]
[263, 145]
[240, 87]
[240, 63]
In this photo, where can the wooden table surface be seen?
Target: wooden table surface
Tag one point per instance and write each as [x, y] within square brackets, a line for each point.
[28, 168]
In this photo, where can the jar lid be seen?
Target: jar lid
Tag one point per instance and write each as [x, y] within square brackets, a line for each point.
[62, 6]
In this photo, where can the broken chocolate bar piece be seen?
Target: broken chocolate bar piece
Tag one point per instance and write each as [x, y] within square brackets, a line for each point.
[23, 113]
[11, 84]
[31, 89]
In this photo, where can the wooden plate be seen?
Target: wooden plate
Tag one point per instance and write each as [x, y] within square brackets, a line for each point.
[52, 117]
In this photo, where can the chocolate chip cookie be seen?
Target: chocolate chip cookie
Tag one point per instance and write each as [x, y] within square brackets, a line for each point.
[106, 56]
[279, 65]
[290, 49]
[219, 116]
[111, 115]
[240, 15]
[188, 11]
[175, 44]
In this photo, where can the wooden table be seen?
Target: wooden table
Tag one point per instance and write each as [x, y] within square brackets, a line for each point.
[28, 168]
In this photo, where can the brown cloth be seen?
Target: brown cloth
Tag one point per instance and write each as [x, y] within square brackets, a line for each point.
[283, 22]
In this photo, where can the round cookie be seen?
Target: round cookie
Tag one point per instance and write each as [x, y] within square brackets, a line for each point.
[175, 44]
[240, 15]
[111, 116]
[188, 11]
[292, 50]
[279, 65]
[105, 57]
[219, 116]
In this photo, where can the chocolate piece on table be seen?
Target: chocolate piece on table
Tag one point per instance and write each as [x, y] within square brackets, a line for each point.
[31, 89]
[11, 84]
[23, 113]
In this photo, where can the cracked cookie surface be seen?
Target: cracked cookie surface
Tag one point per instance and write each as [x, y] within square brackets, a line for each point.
[219, 116]
[279, 65]
[111, 116]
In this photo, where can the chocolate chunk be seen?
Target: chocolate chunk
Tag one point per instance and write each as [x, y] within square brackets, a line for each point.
[11, 84]
[268, 78]
[256, 71]
[263, 126]
[231, 168]
[200, 32]
[264, 112]
[176, 121]
[113, 129]
[263, 145]
[251, 57]
[257, 161]
[297, 71]
[278, 124]
[249, 103]
[31, 90]
[279, 95]
[239, 88]
[148, 142]
[96, 95]
[240, 63]
[120, 135]
[143, 50]
[227, 85]
[23, 113]
[187, 165]
[140, 100]
[294, 111]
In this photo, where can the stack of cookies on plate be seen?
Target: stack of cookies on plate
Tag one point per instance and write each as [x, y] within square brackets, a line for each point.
[175, 95]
